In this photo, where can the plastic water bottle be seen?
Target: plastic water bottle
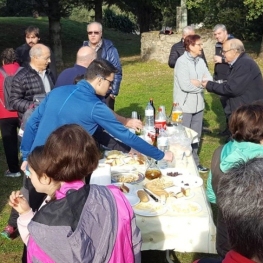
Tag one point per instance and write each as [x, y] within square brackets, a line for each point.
[163, 145]
[149, 117]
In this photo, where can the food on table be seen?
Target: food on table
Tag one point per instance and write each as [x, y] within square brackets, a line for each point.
[124, 189]
[158, 185]
[152, 174]
[173, 174]
[128, 178]
[185, 191]
[177, 195]
[143, 196]
[115, 158]
[151, 207]
[162, 183]
[185, 208]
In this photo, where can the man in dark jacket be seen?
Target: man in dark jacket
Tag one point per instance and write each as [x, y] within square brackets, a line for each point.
[244, 83]
[32, 37]
[106, 50]
[178, 49]
[32, 80]
[221, 69]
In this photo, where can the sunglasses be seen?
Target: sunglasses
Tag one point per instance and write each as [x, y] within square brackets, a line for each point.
[93, 32]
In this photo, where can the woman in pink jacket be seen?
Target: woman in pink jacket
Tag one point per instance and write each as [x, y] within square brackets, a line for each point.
[76, 222]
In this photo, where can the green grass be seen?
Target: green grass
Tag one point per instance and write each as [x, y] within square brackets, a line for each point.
[141, 81]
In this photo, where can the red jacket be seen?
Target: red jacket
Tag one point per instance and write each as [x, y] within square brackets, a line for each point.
[231, 257]
[9, 69]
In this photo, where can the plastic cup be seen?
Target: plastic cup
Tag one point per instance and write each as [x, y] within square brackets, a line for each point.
[134, 115]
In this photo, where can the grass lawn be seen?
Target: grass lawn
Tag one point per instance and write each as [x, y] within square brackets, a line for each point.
[141, 81]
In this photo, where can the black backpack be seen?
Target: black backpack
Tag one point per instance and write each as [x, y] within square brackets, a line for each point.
[7, 88]
[37, 99]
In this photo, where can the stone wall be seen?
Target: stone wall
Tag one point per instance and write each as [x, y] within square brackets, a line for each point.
[157, 46]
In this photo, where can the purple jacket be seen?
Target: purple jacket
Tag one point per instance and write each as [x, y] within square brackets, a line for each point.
[93, 224]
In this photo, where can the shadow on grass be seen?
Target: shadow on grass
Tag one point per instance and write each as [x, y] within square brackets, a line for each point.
[126, 111]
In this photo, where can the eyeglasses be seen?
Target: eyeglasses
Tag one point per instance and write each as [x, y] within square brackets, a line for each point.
[110, 81]
[200, 45]
[225, 51]
[93, 32]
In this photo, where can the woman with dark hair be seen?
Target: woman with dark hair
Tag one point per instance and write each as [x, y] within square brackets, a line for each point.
[8, 119]
[189, 72]
[76, 222]
[247, 142]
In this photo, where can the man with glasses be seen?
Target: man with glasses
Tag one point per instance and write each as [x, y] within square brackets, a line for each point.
[244, 83]
[221, 69]
[105, 50]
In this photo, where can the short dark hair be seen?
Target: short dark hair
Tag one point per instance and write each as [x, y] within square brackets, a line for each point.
[100, 67]
[32, 30]
[240, 199]
[246, 123]
[69, 154]
[8, 56]
[190, 41]
[35, 160]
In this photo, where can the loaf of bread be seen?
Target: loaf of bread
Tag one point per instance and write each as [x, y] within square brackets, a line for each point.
[156, 190]
[143, 196]
[124, 189]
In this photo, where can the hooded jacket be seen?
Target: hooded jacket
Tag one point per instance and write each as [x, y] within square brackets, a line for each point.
[232, 153]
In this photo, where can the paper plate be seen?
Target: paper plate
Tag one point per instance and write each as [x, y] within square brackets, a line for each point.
[150, 209]
[132, 188]
[187, 181]
[185, 207]
[133, 199]
[127, 177]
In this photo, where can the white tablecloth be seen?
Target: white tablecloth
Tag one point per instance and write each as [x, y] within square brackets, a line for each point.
[194, 233]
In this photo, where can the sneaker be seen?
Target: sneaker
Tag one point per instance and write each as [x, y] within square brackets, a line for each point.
[9, 174]
[10, 232]
[202, 169]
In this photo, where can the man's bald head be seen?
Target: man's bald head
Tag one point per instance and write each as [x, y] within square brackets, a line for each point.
[85, 56]
[232, 49]
[237, 45]
[39, 57]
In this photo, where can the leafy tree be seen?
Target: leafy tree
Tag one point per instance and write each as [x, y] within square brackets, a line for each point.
[255, 11]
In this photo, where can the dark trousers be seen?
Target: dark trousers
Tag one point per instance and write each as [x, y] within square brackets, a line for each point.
[194, 121]
[9, 128]
[110, 102]
[35, 199]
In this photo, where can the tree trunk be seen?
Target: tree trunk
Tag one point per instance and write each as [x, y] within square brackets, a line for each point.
[55, 30]
[144, 19]
[98, 11]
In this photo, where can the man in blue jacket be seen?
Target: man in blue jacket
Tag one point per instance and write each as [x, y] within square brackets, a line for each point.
[105, 50]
